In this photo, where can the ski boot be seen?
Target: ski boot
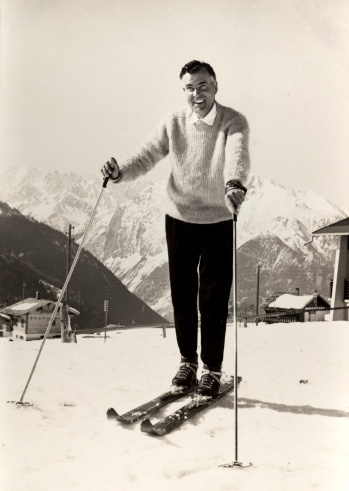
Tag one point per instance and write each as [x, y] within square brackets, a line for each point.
[209, 383]
[185, 378]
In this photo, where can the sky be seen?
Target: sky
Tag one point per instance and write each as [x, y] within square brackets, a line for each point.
[84, 80]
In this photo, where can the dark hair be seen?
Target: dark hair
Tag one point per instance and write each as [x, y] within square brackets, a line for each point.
[195, 66]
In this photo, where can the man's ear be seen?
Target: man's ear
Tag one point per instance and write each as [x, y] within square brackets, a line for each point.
[216, 87]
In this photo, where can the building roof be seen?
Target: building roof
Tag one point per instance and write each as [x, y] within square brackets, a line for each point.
[28, 305]
[337, 228]
[297, 302]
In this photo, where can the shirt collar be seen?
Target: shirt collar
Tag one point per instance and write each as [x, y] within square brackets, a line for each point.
[208, 119]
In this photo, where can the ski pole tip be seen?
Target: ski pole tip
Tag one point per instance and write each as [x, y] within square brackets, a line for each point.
[20, 403]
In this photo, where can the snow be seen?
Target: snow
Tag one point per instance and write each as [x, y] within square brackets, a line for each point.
[295, 434]
[24, 306]
[287, 301]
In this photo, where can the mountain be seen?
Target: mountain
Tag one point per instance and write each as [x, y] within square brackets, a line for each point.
[59, 199]
[273, 227]
[127, 234]
[35, 254]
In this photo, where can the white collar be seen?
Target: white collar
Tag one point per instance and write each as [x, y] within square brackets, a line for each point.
[208, 119]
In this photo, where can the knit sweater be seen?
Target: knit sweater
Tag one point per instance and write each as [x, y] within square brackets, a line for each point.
[203, 159]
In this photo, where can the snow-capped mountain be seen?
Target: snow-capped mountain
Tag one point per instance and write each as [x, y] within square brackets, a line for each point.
[59, 199]
[128, 236]
[274, 224]
[291, 215]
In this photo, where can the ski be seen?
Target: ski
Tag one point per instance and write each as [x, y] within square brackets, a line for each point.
[176, 419]
[148, 407]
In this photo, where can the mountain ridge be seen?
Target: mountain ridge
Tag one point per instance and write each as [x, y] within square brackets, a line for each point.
[128, 235]
[34, 255]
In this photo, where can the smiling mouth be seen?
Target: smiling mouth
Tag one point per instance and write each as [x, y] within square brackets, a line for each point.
[200, 101]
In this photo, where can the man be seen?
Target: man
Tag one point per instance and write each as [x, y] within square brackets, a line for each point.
[207, 144]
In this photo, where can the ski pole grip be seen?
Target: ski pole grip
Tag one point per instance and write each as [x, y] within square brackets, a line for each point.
[235, 217]
[105, 181]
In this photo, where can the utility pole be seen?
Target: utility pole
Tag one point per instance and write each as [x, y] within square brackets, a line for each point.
[24, 285]
[257, 299]
[106, 306]
[66, 333]
[68, 261]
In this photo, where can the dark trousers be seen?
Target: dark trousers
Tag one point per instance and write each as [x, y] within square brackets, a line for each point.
[200, 265]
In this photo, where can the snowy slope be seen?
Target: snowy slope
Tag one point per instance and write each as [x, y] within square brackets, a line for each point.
[295, 434]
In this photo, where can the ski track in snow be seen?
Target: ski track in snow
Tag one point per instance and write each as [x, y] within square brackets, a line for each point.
[295, 434]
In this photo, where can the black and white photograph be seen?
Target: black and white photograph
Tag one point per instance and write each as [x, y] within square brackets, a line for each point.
[174, 245]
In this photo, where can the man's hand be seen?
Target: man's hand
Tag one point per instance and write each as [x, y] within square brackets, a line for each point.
[111, 169]
[233, 199]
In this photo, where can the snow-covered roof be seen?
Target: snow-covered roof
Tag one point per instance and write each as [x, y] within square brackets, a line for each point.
[30, 304]
[337, 228]
[73, 311]
[288, 301]
[26, 305]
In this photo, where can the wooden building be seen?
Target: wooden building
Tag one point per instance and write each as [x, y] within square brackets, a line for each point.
[29, 319]
[296, 308]
[340, 283]
[5, 326]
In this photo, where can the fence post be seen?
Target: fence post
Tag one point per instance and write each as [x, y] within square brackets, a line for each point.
[106, 306]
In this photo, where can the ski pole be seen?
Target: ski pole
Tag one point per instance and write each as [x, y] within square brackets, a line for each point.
[236, 339]
[236, 463]
[60, 298]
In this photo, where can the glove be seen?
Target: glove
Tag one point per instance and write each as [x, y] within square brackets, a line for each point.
[111, 169]
[234, 197]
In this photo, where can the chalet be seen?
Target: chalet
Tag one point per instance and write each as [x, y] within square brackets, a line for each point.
[296, 308]
[5, 326]
[340, 282]
[28, 319]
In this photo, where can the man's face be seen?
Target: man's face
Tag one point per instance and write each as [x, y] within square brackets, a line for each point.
[200, 90]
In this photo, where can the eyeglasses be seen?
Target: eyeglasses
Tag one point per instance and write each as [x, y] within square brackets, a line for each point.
[190, 89]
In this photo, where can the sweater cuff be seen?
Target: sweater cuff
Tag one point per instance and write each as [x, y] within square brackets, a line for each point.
[235, 184]
[118, 178]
